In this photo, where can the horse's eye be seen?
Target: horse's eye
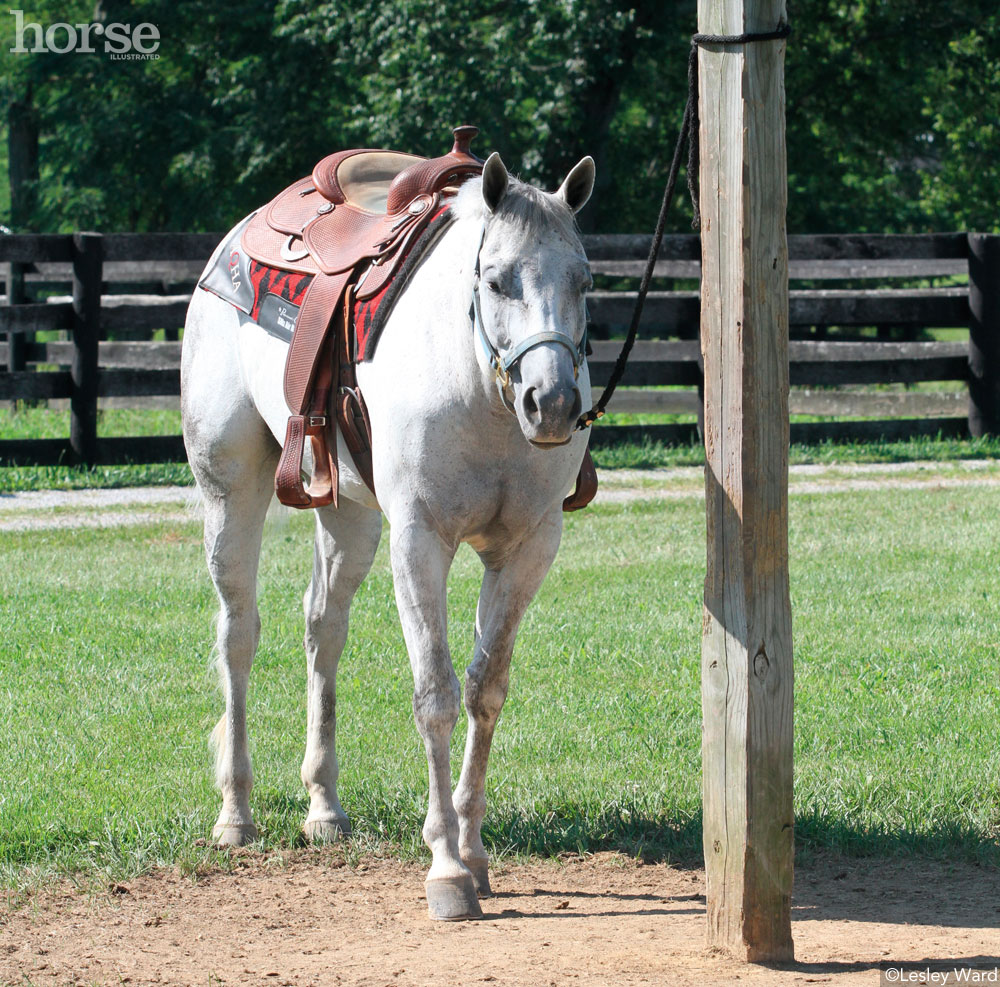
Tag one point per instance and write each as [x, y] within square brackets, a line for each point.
[494, 286]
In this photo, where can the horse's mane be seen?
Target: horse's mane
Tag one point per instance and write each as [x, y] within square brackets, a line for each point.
[527, 207]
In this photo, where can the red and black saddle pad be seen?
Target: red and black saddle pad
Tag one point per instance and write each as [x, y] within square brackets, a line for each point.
[272, 297]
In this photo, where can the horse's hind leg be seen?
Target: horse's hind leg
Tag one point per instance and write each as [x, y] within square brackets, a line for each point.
[504, 598]
[345, 544]
[233, 456]
[234, 520]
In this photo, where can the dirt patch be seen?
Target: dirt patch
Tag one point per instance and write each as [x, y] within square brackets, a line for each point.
[312, 920]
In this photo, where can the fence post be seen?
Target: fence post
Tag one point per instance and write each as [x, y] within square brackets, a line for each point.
[984, 335]
[88, 263]
[747, 627]
[13, 276]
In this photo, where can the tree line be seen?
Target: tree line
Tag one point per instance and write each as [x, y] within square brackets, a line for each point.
[893, 121]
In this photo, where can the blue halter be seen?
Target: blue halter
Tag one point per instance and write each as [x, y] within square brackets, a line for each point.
[503, 362]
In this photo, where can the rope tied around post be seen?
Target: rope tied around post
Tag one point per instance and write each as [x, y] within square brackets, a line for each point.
[689, 133]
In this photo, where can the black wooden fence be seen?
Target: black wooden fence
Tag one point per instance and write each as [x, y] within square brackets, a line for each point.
[827, 348]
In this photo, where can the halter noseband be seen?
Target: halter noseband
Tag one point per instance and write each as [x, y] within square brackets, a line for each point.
[503, 361]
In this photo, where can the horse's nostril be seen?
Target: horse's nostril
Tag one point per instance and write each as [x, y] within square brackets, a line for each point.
[529, 403]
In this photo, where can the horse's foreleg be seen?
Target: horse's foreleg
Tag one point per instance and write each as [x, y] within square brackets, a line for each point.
[420, 563]
[345, 544]
[504, 598]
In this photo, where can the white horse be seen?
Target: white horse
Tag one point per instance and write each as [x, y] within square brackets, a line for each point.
[458, 457]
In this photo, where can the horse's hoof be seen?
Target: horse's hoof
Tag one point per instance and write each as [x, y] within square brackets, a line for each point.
[481, 875]
[327, 830]
[452, 899]
[234, 834]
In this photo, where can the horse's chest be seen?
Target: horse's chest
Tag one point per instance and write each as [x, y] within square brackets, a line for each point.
[491, 503]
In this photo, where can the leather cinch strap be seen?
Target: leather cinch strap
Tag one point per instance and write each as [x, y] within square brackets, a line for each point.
[309, 375]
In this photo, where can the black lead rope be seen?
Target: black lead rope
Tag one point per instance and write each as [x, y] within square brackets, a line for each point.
[688, 132]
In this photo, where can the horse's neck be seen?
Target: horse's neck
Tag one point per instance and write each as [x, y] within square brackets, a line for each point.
[430, 328]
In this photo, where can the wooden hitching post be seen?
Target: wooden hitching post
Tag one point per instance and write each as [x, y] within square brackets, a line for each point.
[747, 628]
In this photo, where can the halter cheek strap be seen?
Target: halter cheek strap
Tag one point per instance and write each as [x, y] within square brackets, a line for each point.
[503, 362]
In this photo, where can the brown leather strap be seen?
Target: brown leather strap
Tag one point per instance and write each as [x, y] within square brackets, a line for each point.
[586, 486]
[352, 413]
[309, 375]
[322, 297]
[322, 489]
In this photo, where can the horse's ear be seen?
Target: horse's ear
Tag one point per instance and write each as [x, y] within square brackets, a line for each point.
[575, 191]
[494, 181]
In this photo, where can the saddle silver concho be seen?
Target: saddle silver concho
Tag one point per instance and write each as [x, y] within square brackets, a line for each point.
[417, 206]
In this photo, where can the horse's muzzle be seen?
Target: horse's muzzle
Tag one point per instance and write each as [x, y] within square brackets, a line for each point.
[548, 414]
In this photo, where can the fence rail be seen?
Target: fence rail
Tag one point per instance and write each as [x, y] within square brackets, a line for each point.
[127, 285]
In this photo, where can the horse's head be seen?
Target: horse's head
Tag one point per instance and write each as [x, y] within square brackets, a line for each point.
[531, 280]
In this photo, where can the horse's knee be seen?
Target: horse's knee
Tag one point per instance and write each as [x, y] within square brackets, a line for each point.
[484, 694]
[436, 700]
[327, 610]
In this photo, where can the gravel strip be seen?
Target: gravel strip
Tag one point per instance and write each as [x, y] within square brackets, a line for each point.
[39, 510]
[119, 496]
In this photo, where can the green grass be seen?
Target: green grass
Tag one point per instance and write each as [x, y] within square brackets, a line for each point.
[106, 701]
[18, 478]
[629, 456]
[656, 454]
[44, 423]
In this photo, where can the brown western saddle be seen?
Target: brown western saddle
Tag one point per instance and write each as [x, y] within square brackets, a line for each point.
[349, 225]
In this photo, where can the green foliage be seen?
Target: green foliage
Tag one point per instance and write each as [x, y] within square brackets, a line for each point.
[963, 106]
[889, 116]
[892, 105]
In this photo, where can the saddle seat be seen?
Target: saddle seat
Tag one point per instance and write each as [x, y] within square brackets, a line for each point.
[358, 205]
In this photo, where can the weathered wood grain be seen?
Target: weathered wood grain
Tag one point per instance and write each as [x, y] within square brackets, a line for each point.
[35, 452]
[145, 449]
[118, 383]
[26, 385]
[31, 247]
[812, 270]
[36, 317]
[667, 313]
[115, 354]
[154, 312]
[17, 357]
[809, 247]
[747, 634]
[160, 246]
[832, 403]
